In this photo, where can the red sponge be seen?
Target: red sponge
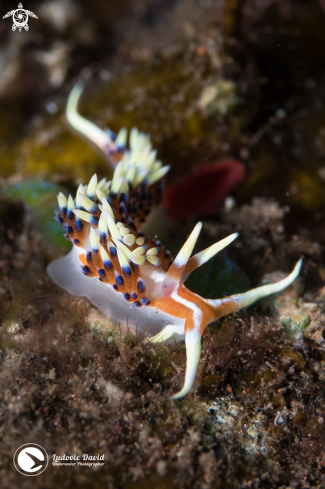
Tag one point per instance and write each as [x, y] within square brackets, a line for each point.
[202, 191]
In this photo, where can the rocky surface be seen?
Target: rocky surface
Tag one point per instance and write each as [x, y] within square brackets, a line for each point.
[76, 384]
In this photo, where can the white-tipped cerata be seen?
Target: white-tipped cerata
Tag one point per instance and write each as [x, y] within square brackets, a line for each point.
[205, 255]
[175, 271]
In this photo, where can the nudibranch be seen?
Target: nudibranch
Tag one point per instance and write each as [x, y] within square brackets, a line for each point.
[128, 276]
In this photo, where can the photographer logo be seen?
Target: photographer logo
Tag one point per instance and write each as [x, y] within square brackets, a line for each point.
[20, 18]
[31, 459]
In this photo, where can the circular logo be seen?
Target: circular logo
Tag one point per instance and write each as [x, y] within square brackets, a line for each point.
[31, 459]
[20, 17]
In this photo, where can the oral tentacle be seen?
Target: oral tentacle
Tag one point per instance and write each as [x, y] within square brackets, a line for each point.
[99, 139]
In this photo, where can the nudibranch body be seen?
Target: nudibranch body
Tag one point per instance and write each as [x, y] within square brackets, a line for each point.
[128, 276]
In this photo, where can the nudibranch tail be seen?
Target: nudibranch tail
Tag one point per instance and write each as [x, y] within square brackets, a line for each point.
[239, 301]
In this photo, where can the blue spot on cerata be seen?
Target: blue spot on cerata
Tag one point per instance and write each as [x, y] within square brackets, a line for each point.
[141, 286]
[126, 271]
[113, 252]
[103, 237]
[78, 225]
[94, 220]
[119, 280]
[108, 265]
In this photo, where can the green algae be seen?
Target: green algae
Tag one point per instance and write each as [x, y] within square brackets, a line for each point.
[295, 325]
[32, 191]
[40, 197]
